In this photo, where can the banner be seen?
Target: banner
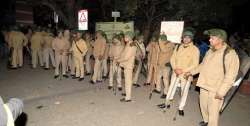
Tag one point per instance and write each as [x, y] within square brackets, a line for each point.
[173, 30]
[111, 28]
[83, 20]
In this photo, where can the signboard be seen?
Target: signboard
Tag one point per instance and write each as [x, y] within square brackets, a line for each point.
[173, 30]
[83, 20]
[111, 28]
[115, 14]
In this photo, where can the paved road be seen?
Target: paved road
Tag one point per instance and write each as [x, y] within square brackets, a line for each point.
[67, 102]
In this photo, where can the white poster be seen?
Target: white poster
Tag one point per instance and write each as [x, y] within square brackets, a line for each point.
[173, 30]
[83, 20]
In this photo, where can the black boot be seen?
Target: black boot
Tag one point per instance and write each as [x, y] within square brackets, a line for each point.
[202, 123]
[181, 112]
[110, 87]
[163, 96]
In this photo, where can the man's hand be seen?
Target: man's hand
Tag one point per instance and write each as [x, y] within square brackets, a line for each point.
[100, 57]
[178, 71]
[186, 75]
[219, 97]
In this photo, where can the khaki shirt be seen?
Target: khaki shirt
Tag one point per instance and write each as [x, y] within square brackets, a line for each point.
[81, 45]
[37, 41]
[48, 41]
[115, 51]
[89, 45]
[141, 51]
[185, 58]
[99, 47]
[165, 53]
[17, 39]
[127, 57]
[153, 55]
[61, 46]
[212, 77]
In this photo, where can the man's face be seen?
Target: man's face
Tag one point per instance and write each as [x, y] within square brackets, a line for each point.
[98, 35]
[214, 41]
[126, 38]
[60, 34]
[186, 39]
[78, 35]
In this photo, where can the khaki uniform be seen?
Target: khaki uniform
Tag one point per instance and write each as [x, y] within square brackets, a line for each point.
[126, 61]
[186, 57]
[88, 55]
[48, 53]
[99, 49]
[105, 60]
[153, 55]
[140, 54]
[37, 42]
[212, 81]
[114, 54]
[165, 53]
[17, 41]
[79, 49]
[61, 47]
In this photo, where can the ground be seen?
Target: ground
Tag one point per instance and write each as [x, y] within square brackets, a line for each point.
[67, 102]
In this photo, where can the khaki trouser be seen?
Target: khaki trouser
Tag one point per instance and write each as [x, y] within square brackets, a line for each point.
[138, 71]
[151, 74]
[185, 85]
[71, 64]
[78, 60]
[104, 66]
[162, 72]
[49, 54]
[17, 57]
[115, 70]
[87, 62]
[97, 70]
[210, 107]
[128, 82]
[60, 59]
[37, 54]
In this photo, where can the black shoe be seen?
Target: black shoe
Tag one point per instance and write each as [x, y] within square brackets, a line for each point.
[105, 77]
[124, 100]
[123, 94]
[119, 88]
[136, 85]
[110, 87]
[163, 96]
[146, 84]
[202, 123]
[66, 76]
[46, 68]
[88, 74]
[92, 82]
[80, 79]
[13, 68]
[155, 91]
[181, 112]
[74, 77]
[99, 81]
[162, 106]
[56, 76]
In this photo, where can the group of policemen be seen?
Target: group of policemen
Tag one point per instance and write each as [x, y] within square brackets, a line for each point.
[169, 65]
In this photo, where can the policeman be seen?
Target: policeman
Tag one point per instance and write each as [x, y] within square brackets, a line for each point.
[153, 49]
[140, 55]
[37, 42]
[114, 54]
[89, 42]
[48, 51]
[98, 52]
[185, 57]
[163, 64]
[17, 41]
[126, 60]
[79, 49]
[218, 72]
[61, 47]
